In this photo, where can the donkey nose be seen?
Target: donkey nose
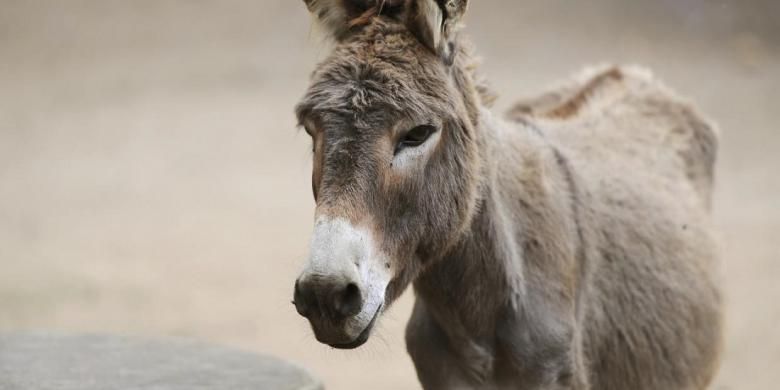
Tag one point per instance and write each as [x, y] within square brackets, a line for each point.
[348, 302]
[302, 301]
[335, 300]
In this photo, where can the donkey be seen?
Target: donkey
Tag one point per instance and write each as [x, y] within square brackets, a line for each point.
[566, 245]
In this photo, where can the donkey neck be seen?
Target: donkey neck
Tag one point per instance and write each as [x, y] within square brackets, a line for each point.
[525, 200]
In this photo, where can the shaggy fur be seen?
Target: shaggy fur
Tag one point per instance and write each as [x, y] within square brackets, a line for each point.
[565, 247]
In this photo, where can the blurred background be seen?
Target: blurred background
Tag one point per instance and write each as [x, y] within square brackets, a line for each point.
[152, 180]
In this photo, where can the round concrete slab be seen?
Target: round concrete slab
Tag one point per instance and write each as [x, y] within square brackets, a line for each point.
[98, 362]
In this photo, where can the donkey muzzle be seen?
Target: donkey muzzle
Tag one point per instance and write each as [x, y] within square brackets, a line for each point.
[342, 289]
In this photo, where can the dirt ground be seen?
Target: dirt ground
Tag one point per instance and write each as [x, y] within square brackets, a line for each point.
[152, 180]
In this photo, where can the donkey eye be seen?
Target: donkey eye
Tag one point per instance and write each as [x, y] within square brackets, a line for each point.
[415, 137]
[313, 139]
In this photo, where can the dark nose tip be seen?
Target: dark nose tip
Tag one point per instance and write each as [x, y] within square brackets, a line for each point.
[335, 300]
[300, 300]
[348, 301]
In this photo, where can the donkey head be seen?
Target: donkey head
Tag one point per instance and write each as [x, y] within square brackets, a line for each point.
[392, 114]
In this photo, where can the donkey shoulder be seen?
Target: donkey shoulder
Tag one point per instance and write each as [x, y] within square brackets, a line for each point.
[627, 113]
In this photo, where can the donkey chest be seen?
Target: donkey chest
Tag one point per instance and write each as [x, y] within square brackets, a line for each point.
[511, 356]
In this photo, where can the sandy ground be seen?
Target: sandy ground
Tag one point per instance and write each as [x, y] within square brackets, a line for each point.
[152, 181]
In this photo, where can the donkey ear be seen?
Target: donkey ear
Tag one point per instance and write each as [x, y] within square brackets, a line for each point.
[436, 24]
[331, 14]
[338, 16]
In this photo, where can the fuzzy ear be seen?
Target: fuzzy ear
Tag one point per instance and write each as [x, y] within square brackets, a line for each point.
[338, 16]
[331, 14]
[436, 24]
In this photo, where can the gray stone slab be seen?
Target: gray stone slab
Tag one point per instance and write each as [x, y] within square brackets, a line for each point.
[40, 361]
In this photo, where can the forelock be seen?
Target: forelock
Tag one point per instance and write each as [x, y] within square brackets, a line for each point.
[381, 67]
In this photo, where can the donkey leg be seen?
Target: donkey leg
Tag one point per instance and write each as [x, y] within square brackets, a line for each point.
[542, 347]
[438, 367]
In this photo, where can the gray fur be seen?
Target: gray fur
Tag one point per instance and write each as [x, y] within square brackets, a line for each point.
[567, 246]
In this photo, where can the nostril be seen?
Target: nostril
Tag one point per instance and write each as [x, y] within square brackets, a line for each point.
[349, 302]
[299, 301]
